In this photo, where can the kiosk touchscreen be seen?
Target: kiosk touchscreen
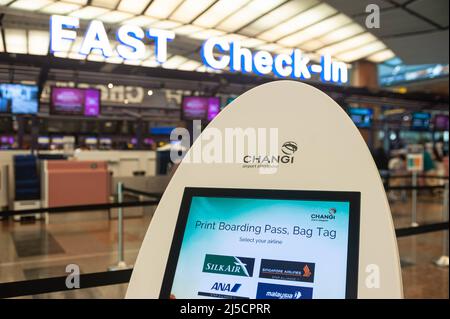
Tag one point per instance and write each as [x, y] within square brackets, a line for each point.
[264, 244]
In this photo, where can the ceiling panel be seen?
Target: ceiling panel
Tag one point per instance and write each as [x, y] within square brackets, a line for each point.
[357, 7]
[396, 22]
[421, 48]
[438, 12]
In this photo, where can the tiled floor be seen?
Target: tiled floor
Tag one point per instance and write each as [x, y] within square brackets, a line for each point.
[36, 250]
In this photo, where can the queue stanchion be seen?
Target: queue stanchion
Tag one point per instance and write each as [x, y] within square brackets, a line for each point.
[121, 264]
[414, 200]
[443, 260]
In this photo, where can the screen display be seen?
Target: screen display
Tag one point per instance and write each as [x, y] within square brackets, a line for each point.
[74, 101]
[264, 244]
[420, 121]
[362, 117]
[441, 122]
[200, 107]
[18, 98]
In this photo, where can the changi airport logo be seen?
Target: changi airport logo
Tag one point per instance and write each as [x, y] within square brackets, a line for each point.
[324, 217]
[272, 161]
[289, 148]
[229, 265]
[272, 291]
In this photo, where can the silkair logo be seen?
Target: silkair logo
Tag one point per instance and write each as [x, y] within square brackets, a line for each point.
[229, 265]
[224, 287]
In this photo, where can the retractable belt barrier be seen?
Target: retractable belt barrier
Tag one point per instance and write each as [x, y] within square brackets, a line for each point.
[121, 276]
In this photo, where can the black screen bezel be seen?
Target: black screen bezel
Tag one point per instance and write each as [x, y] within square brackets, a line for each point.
[353, 198]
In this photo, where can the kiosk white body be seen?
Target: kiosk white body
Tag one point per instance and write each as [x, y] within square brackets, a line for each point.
[331, 156]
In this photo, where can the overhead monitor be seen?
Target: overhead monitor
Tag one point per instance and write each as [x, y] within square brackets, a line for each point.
[18, 98]
[200, 108]
[75, 101]
[441, 122]
[264, 244]
[362, 117]
[420, 121]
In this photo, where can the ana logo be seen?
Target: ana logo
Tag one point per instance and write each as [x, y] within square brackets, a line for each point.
[229, 265]
[289, 148]
[219, 286]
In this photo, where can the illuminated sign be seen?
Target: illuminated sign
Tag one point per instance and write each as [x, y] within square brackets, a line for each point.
[231, 55]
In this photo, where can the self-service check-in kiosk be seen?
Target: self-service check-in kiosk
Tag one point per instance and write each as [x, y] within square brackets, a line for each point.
[308, 219]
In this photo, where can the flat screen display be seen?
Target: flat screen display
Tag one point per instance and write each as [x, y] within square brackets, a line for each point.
[75, 101]
[420, 121]
[18, 98]
[362, 117]
[441, 122]
[200, 107]
[264, 244]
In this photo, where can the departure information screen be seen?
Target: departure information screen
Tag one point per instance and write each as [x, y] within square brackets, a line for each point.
[264, 244]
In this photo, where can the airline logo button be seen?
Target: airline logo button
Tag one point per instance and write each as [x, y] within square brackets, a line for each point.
[271, 291]
[287, 270]
[229, 265]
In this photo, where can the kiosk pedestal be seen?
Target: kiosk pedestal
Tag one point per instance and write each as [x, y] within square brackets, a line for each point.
[301, 213]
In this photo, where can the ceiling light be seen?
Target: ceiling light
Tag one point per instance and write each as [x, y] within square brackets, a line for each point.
[190, 65]
[60, 55]
[190, 9]
[16, 41]
[5, 2]
[60, 8]
[348, 44]
[110, 85]
[89, 12]
[76, 56]
[149, 92]
[252, 42]
[219, 11]
[315, 30]
[162, 8]
[151, 63]
[30, 5]
[166, 24]
[361, 52]
[141, 21]
[381, 56]
[38, 42]
[206, 34]
[298, 22]
[187, 29]
[174, 62]
[342, 33]
[96, 57]
[2, 48]
[276, 16]
[114, 16]
[247, 14]
[272, 47]
[110, 4]
[132, 62]
[133, 6]
[114, 59]
[81, 2]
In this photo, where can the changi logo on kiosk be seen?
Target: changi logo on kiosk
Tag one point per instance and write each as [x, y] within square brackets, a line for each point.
[229, 265]
[216, 52]
[288, 149]
[321, 217]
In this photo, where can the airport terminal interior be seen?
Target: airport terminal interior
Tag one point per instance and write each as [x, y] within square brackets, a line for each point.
[91, 90]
